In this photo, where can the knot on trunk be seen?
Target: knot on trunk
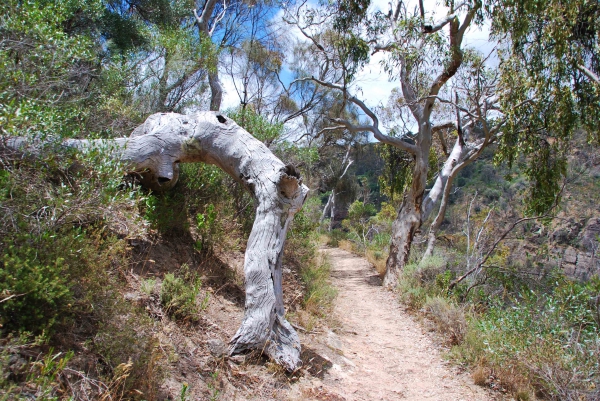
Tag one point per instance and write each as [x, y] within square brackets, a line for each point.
[289, 181]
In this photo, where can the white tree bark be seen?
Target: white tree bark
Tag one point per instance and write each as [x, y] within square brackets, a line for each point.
[202, 22]
[155, 150]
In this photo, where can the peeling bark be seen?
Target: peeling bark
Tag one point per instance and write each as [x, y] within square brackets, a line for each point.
[155, 150]
[404, 228]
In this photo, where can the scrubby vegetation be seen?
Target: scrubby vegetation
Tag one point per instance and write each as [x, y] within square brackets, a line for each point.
[106, 288]
[519, 322]
[83, 296]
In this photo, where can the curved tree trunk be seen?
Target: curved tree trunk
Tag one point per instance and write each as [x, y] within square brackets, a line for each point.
[155, 150]
[461, 156]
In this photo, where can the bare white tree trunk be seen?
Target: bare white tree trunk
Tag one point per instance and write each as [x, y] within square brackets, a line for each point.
[202, 22]
[461, 156]
[327, 207]
[155, 150]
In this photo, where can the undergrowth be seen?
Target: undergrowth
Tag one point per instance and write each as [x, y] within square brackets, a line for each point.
[301, 253]
[534, 338]
[532, 332]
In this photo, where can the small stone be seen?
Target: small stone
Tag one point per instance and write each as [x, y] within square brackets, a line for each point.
[216, 347]
[16, 364]
[334, 342]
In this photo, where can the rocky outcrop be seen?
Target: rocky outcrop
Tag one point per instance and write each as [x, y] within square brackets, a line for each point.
[577, 250]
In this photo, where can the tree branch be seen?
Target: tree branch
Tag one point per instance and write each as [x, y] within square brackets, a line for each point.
[374, 128]
[589, 73]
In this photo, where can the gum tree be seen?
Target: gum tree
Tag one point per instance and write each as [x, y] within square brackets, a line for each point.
[423, 60]
[448, 106]
[154, 151]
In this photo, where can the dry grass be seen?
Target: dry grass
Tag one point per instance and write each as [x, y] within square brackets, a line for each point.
[377, 259]
[450, 319]
[319, 294]
[346, 245]
[481, 376]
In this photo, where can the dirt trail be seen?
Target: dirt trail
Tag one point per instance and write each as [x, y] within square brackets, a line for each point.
[379, 352]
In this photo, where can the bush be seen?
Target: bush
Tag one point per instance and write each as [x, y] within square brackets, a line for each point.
[547, 342]
[418, 280]
[319, 294]
[335, 236]
[178, 297]
[167, 213]
[449, 318]
[33, 292]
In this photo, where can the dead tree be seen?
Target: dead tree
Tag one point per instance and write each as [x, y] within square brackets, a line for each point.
[155, 149]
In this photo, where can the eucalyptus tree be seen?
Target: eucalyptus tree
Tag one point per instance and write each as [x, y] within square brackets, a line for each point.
[423, 60]
[158, 42]
[550, 64]
[546, 86]
[246, 45]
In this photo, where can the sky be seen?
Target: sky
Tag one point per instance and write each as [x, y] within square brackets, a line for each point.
[372, 84]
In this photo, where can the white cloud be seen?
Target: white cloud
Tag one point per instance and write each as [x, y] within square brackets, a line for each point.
[230, 96]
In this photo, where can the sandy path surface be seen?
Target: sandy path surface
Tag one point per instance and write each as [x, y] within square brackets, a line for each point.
[380, 352]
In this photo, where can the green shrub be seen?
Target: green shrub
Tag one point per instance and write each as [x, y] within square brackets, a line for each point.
[33, 292]
[208, 229]
[319, 294]
[335, 236]
[178, 297]
[300, 248]
[167, 212]
[550, 340]
[255, 124]
[418, 280]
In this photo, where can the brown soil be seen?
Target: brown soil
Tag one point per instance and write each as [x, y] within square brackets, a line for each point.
[378, 352]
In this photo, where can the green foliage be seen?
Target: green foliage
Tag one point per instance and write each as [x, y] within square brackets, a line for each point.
[178, 296]
[552, 340]
[166, 212]
[538, 336]
[335, 236]
[358, 223]
[544, 93]
[418, 281]
[255, 124]
[40, 93]
[213, 201]
[319, 294]
[361, 211]
[123, 32]
[397, 172]
[354, 52]
[300, 248]
[206, 226]
[33, 293]
[349, 13]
